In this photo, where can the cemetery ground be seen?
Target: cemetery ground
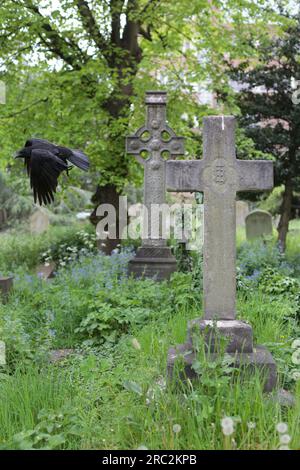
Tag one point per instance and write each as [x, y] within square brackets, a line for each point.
[108, 390]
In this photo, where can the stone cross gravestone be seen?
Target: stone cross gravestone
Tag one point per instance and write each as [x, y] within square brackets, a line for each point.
[154, 258]
[219, 175]
[258, 224]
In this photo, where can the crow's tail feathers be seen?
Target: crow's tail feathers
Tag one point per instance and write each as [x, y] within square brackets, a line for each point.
[79, 159]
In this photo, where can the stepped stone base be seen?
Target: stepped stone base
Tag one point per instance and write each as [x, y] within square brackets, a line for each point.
[153, 262]
[238, 335]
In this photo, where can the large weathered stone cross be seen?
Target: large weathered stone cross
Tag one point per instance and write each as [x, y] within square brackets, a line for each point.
[219, 175]
[154, 137]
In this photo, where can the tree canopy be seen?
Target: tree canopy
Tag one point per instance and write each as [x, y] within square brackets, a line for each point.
[269, 114]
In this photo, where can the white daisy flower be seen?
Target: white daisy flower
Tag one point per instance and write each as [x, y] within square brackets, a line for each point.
[227, 430]
[176, 428]
[225, 422]
[251, 425]
[285, 439]
[296, 344]
[282, 428]
[296, 375]
[296, 357]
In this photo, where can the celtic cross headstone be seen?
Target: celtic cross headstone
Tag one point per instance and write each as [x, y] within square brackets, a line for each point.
[154, 258]
[219, 175]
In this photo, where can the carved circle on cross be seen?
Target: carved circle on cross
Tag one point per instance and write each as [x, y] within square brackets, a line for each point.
[155, 124]
[135, 145]
[155, 165]
[155, 144]
[176, 146]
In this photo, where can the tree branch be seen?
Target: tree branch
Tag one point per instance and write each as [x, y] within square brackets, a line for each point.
[16, 113]
[90, 25]
[116, 8]
[55, 42]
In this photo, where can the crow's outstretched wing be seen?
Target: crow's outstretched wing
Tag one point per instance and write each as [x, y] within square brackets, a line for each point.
[79, 159]
[44, 169]
[42, 144]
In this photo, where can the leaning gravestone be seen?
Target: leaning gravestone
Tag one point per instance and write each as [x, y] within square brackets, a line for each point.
[242, 210]
[46, 271]
[154, 257]
[39, 221]
[219, 175]
[258, 224]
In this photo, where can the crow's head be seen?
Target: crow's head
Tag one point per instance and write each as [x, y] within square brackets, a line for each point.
[23, 153]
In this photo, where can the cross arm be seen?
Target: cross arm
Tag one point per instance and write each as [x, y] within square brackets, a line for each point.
[135, 144]
[255, 175]
[184, 175]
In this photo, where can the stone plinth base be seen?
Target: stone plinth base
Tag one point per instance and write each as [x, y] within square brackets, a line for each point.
[238, 337]
[236, 334]
[153, 262]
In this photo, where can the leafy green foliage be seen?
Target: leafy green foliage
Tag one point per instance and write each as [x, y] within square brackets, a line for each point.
[110, 314]
[82, 243]
[76, 85]
[269, 114]
[28, 250]
[51, 432]
[113, 392]
[273, 282]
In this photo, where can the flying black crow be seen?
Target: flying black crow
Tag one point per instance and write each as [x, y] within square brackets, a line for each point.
[44, 162]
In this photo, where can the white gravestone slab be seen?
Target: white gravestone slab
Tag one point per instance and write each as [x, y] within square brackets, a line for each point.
[39, 222]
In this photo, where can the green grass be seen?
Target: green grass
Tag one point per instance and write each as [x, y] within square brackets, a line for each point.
[112, 395]
[113, 417]
[25, 393]
[25, 249]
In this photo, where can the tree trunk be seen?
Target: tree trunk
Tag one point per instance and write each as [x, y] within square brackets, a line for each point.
[285, 214]
[107, 194]
[125, 66]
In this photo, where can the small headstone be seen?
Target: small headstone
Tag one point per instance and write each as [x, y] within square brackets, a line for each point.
[258, 224]
[46, 271]
[242, 210]
[39, 221]
[6, 284]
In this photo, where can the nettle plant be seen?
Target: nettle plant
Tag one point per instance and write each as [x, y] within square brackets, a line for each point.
[52, 431]
[273, 282]
[109, 314]
[84, 243]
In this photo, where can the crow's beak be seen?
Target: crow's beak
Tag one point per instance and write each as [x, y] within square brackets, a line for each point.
[18, 154]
